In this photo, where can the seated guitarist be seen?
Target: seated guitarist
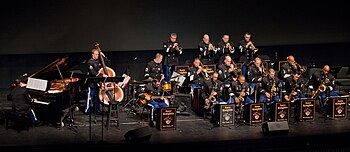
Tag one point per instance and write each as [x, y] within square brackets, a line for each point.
[153, 96]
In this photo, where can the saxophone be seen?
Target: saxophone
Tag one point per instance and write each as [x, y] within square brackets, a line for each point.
[273, 90]
[321, 88]
[240, 97]
[212, 98]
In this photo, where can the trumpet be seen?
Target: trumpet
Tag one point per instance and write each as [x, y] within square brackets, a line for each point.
[228, 45]
[177, 48]
[211, 47]
[252, 47]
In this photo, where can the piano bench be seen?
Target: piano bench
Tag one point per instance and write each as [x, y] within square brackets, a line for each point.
[17, 121]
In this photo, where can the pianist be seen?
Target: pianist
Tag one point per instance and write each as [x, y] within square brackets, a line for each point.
[21, 102]
[94, 65]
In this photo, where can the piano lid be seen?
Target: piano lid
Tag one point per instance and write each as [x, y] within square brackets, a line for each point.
[55, 70]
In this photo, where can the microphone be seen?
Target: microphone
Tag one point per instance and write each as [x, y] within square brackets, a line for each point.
[25, 74]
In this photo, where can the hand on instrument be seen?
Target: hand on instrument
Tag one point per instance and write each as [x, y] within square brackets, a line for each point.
[267, 95]
[148, 98]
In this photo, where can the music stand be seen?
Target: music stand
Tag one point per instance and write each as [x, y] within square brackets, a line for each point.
[103, 80]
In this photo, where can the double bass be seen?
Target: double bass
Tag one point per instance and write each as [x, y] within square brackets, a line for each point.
[109, 91]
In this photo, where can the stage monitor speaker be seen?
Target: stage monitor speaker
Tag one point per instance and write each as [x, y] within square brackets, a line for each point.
[139, 135]
[275, 128]
[183, 104]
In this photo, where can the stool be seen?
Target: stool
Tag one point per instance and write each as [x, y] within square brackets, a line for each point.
[20, 120]
[113, 109]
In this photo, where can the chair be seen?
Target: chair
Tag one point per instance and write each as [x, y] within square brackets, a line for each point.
[17, 120]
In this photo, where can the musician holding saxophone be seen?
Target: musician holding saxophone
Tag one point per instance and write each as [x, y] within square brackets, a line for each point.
[172, 50]
[207, 50]
[323, 85]
[211, 93]
[269, 91]
[293, 88]
[240, 90]
[247, 51]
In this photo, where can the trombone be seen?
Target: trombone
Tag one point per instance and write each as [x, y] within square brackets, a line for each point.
[204, 71]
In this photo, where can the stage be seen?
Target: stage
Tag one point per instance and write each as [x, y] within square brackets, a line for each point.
[192, 133]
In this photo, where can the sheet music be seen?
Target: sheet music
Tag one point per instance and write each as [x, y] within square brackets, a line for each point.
[37, 84]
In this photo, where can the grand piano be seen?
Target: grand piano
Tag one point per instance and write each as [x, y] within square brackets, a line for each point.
[53, 102]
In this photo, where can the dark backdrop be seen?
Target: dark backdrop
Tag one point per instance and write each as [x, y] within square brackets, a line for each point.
[67, 26]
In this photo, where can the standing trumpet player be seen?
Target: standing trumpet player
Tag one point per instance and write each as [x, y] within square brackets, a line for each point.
[172, 49]
[207, 50]
[224, 48]
[247, 50]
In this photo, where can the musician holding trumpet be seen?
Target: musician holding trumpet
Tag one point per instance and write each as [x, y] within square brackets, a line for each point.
[247, 50]
[172, 50]
[224, 48]
[207, 50]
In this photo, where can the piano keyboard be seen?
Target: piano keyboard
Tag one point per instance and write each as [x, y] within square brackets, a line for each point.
[40, 102]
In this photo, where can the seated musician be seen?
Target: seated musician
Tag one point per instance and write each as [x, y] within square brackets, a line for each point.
[255, 73]
[240, 90]
[196, 75]
[153, 96]
[94, 66]
[290, 67]
[154, 68]
[323, 86]
[293, 87]
[269, 91]
[212, 92]
[21, 102]
[227, 71]
[207, 50]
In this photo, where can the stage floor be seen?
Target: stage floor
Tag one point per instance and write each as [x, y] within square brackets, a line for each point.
[192, 130]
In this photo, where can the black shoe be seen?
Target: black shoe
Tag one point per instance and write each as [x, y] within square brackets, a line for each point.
[151, 124]
[38, 123]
